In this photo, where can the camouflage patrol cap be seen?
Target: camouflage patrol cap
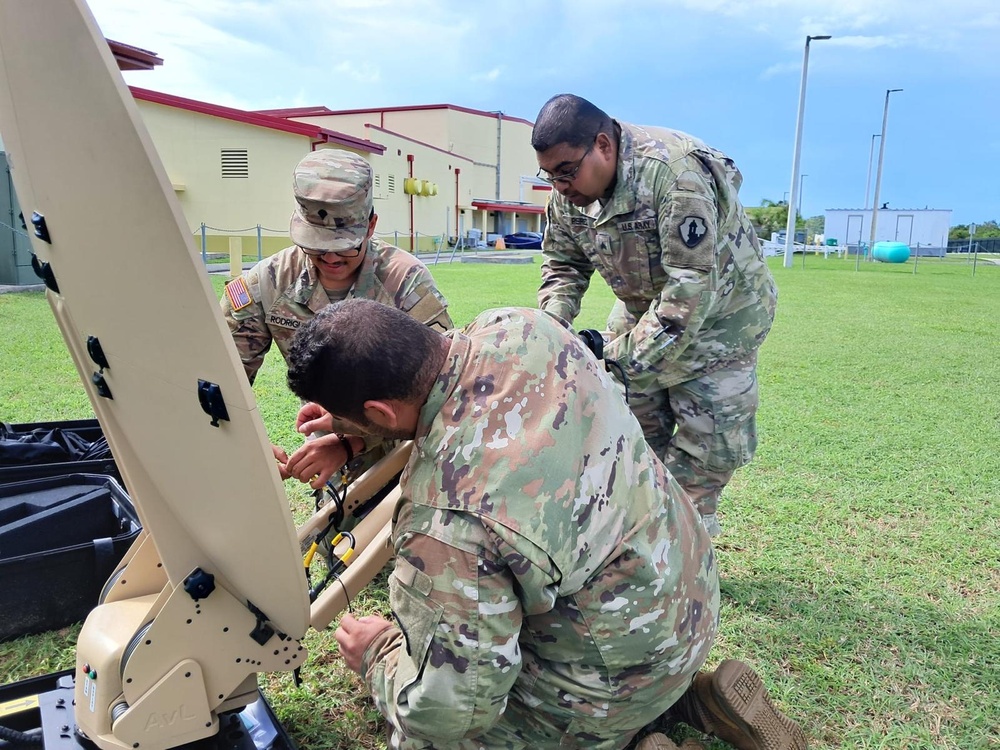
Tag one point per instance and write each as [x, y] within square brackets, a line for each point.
[333, 189]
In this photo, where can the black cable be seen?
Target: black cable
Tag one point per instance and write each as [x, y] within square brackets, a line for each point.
[595, 342]
[334, 567]
[347, 594]
[609, 363]
[13, 738]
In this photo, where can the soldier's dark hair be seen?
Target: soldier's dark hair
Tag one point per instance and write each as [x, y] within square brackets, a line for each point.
[360, 350]
[569, 119]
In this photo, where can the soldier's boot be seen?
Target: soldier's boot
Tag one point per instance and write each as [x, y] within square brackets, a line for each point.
[660, 741]
[732, 703]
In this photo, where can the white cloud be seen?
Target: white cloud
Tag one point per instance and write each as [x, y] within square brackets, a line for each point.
[370, 52]
[364, 72]
[489, 76]
[866, 42]
[780, 69]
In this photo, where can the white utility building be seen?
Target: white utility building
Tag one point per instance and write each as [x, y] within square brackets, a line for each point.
[925, 230]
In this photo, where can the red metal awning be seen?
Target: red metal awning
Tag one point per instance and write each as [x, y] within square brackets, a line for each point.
[133, 58]
[508, 207]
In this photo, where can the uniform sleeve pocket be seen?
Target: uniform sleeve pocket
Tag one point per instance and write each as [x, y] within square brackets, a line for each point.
[417, 616]
[425, 307]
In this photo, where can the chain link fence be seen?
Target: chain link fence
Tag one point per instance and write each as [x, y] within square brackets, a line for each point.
[219, 245]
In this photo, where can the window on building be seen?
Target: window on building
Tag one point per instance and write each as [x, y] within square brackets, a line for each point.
[235, 163]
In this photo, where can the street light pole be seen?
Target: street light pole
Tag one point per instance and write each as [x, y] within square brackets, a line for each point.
[790, 226]
[878, 174]
[868, 179]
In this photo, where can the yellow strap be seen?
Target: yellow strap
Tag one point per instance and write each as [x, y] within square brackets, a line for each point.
[307, 560]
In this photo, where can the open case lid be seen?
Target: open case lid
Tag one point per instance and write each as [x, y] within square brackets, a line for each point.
[114, 237]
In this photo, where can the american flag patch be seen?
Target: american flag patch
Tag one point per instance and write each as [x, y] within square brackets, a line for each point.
[239, 296]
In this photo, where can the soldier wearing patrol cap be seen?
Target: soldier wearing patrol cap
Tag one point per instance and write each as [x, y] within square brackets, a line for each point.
[335, 257]
[656, 213]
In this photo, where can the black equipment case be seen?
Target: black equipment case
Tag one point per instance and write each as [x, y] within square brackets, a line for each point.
[61, 538]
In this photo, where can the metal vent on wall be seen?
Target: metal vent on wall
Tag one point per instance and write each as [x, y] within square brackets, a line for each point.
[391, 183]
[235, 163]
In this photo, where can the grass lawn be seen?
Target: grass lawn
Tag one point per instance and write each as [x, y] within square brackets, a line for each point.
[861, 549]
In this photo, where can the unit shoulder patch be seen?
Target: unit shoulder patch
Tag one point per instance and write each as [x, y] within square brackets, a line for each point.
[692, 230]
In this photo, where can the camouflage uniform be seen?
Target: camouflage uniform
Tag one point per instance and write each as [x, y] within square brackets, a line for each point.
[696, 300]
[553, 585]
[286, 293]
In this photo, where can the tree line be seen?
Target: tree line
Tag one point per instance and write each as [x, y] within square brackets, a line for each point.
[982, 231]
[772, 216]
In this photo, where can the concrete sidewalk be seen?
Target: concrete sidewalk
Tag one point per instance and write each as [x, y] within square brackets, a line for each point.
[9, 288]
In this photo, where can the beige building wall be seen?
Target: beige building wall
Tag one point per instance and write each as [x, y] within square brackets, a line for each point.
[346, 123]
[471, 138]
[447, 214]
[429, 126]
[469, 134]
[453, 149]
[191, 146]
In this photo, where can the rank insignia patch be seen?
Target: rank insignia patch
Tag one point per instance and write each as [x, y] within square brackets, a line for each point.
[239, 296]
[692, 230]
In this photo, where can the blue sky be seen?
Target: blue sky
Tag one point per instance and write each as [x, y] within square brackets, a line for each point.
[727, 71]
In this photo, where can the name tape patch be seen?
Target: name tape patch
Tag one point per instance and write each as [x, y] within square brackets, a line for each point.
[283, 322]
[637, 225]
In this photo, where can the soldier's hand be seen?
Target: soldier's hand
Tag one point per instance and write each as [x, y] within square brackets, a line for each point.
[356, 634]
[282, 458]
[317, 460]
[312, 418]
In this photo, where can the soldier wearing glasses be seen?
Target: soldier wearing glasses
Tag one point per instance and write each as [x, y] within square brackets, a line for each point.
[335, 257]
[656, 213]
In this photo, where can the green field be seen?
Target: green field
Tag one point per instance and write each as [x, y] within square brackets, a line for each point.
[861, 549]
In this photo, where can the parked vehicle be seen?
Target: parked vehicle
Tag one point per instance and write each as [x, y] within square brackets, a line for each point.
[523, 240]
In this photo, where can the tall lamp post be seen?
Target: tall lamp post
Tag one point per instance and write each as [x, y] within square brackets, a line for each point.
[868, 179]
[790, 226]
[878, 173]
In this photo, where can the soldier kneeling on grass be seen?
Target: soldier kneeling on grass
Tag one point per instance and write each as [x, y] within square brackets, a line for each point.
[553, 586]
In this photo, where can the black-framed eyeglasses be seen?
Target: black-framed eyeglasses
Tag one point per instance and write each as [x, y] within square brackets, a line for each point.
[569, 175]
[351, 252]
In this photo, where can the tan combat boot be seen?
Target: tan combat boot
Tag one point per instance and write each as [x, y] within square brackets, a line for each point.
[660, 741]
[732, 703]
